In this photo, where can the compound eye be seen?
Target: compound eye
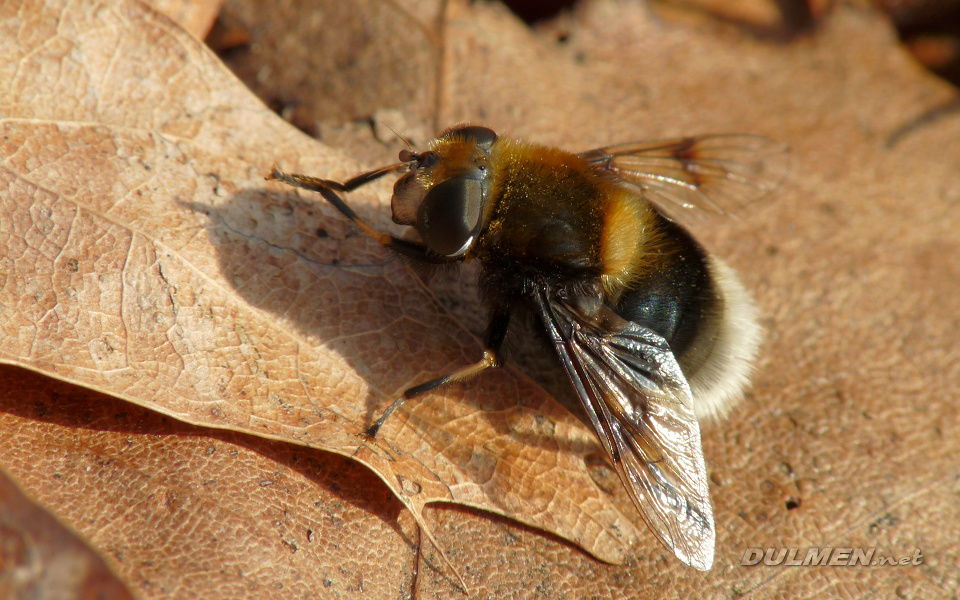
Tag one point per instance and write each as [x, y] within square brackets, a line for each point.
[449, 215]
[482, 136]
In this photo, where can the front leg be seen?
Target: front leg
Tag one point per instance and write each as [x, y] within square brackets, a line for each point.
[493, 341]
[328, 189]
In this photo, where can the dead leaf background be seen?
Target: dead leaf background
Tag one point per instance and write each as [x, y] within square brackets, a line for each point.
[195, 16]
[40, 558]
[184, 511]
[852, 421]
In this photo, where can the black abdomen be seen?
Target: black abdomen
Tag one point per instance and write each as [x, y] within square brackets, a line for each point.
[677, 298]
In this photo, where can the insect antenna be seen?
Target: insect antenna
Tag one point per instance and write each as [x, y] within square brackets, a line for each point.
[402, 137]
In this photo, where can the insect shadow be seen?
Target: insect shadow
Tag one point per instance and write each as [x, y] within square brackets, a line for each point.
[335, 290]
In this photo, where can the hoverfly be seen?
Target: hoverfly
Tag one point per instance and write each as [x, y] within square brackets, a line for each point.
[653, 332]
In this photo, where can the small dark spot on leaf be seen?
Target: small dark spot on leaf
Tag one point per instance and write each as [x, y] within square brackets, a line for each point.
[887, 520]
[793, 503]
[322, 233]
[410, 488]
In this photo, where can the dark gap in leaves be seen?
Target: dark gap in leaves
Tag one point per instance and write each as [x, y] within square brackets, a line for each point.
[532, 12]
[933, 37]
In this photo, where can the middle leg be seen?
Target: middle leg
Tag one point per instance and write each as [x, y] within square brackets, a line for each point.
[493, 341]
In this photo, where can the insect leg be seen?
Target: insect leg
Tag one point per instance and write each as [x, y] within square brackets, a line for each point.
[493, 340]
[328, 189]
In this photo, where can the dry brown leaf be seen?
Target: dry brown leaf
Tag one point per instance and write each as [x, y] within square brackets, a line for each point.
[850, 433]
[340, 61]
[187, 512]
[761, 15]
[41, 559]
[196, 16]
[148, 261]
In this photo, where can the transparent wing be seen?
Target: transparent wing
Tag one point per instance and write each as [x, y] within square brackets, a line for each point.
[713, 173]
[641, 408]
